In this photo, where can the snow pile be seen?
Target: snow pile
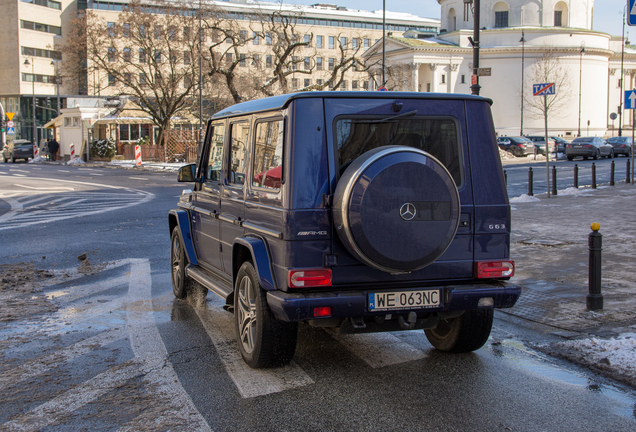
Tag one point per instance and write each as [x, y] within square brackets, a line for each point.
[617, 356]
[152, 166]
[574, 191]
[76, 161]
[505, 155]
[38, 159]
[524, 199]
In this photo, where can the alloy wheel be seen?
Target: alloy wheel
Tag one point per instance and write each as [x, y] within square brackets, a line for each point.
[247, 314]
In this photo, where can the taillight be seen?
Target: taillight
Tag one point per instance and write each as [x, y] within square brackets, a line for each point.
[589, 146]
[309, 278]
[494, 269]
[322, 311]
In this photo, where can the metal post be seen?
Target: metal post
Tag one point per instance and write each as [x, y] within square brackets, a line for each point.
[620, 107]
[612, 168]
[554, 181]
[633, 126]
[476, 15]
[627, 174]
[576, 176]
[506, 177]
[523, 58]
[383, 40]
[200, 82]
[547, 143]
[594, 299]
[580, 82]
[530, 175]
[593, 175]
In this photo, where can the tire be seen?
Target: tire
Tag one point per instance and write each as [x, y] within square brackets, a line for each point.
[468, 332]
[263, 340]
[181, 284]
[611, 154]
[12, 160]
[585, 157]
[570, 158]
[596, 155]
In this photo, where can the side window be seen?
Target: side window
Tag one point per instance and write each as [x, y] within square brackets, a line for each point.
[268, 155]
[238, 147]
[213, 170]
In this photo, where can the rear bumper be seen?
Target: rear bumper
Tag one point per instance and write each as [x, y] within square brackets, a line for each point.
[293, 307]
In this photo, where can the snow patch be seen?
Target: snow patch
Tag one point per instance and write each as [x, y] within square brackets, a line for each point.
[574, 191]
[524, 199]
[38, 159]
[76, 161]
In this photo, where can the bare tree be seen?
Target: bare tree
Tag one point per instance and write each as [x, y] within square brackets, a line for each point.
[149, 55]
[548, 69]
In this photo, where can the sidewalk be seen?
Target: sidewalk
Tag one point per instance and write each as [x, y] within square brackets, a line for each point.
[549, 246]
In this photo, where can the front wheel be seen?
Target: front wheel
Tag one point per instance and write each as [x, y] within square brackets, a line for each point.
[263, 340]
[468, 332]
[611, 155]
[570, 158]
[181, 284]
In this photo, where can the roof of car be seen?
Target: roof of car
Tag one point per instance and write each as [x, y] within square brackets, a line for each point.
[280, 102]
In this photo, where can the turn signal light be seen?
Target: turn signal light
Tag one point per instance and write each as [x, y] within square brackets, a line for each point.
[309, 278]
[494, 269]
[322, 312]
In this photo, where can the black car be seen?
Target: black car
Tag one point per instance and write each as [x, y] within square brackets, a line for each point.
[518, 146]
[589, 147]
[622, 145]
[18, 149]
[560, 144]
[356, 211]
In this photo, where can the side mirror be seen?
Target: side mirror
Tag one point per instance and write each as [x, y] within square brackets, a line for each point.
[187, 173]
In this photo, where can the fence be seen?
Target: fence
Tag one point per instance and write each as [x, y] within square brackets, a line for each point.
[182, 146]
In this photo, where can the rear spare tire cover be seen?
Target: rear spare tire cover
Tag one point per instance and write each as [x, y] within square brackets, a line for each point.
[396, 209]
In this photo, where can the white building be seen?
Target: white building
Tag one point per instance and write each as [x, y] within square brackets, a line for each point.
[591, 60]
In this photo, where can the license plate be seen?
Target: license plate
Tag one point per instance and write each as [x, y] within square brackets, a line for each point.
[578, 146]
[400, 300]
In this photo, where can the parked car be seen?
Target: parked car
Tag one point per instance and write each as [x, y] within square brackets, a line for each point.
[539, 144]
[317, 213]
[589, 147]
[560, 144]
[518, 146]
[18, 149]
[622, 145]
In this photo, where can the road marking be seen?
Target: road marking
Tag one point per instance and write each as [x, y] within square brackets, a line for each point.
[380, 349]
[18, 170]
[139, 178]
[45, 189]
[249, 382]
[19, 175]
[63, 171]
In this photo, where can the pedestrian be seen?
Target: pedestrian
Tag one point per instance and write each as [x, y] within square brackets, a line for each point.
[53, 148]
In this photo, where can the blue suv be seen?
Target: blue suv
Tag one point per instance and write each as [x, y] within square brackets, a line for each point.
[359, 211]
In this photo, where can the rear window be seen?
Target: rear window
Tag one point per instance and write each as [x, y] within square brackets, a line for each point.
[578, 140]
[438, 136]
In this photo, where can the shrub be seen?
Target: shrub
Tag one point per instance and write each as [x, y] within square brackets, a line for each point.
[103, 148]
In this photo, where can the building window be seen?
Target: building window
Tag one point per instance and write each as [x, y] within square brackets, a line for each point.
[124, 132]
[242, 35]
[157, 56]
[46, 79]
[307, 40]
[343, 42]
[142, 78]
[158, 31]
[127, 77]
[319, 41]
[343, 86]
[332, 62]
[463, 79]
[366, 44]
[306, 64]
[501, 19]
[37, 52]
[127, 54]
[355, 43]
[558, 18]
[354, 85]
[142, 56]
[318, 63]
[142, 31]
[256, 61]
[319, 82]
[268, 39]
[110, 29]
[365, 85]
[443, 79]
[242, 62]
[332, 42]
[294, 63]
[187, 59]
[255, 39]
[228, 58]
[187, 81]
[187, 31]
[111, 80]
[126, 30]
[111, 54]
[30, 25]
[307, 82]
[48, 3]
[172, 33]
[268, 61]
[295, 83]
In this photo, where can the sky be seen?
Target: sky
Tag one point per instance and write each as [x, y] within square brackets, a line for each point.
[608, 16]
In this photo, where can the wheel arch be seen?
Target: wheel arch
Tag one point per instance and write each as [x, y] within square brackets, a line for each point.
[181, 219]
[254, 248]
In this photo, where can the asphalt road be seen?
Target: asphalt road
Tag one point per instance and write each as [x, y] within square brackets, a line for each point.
[111, 349]
[517, 174]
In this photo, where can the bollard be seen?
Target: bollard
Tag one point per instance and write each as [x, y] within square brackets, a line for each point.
[627, 175]
[72, 151]
[137, 155]
[613, 166]
[554, 178]
[593, 175]
[530, 192]
[594, 298]
[506, 177]
[576, 176]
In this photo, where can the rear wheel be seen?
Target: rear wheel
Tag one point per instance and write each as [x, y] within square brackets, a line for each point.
[468, 332]
[181, 284]
[611, 155]
[596, 155]
[263, 340]
[570, 158]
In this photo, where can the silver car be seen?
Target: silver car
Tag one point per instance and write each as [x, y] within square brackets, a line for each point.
[622, 145]
[589, 147]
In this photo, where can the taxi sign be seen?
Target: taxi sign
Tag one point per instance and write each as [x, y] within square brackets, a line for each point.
[543, 89]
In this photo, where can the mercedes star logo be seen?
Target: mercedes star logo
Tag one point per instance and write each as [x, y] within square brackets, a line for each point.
[407, 211]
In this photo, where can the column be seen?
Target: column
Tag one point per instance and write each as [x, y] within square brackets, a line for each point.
[415, 76]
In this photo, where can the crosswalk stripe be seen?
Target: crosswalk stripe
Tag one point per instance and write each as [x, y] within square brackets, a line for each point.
[380, 349]
[249, 382]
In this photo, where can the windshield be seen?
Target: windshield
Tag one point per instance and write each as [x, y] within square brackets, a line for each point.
[437, 136]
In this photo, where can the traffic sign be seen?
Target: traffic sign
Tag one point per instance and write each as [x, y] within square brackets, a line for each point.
[382, 88]
[10, 124]
[10, 131]
[630, 99]
[484, 72]
[543, 89]
[631, 17]
[10, 116]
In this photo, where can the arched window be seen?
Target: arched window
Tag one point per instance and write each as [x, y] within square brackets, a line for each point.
[561, 14]
[501, 14]
[452, 20]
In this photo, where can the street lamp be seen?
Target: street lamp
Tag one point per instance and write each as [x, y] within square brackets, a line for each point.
[580, 80]
[523, 58]
[27, 64]
[57, 86]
